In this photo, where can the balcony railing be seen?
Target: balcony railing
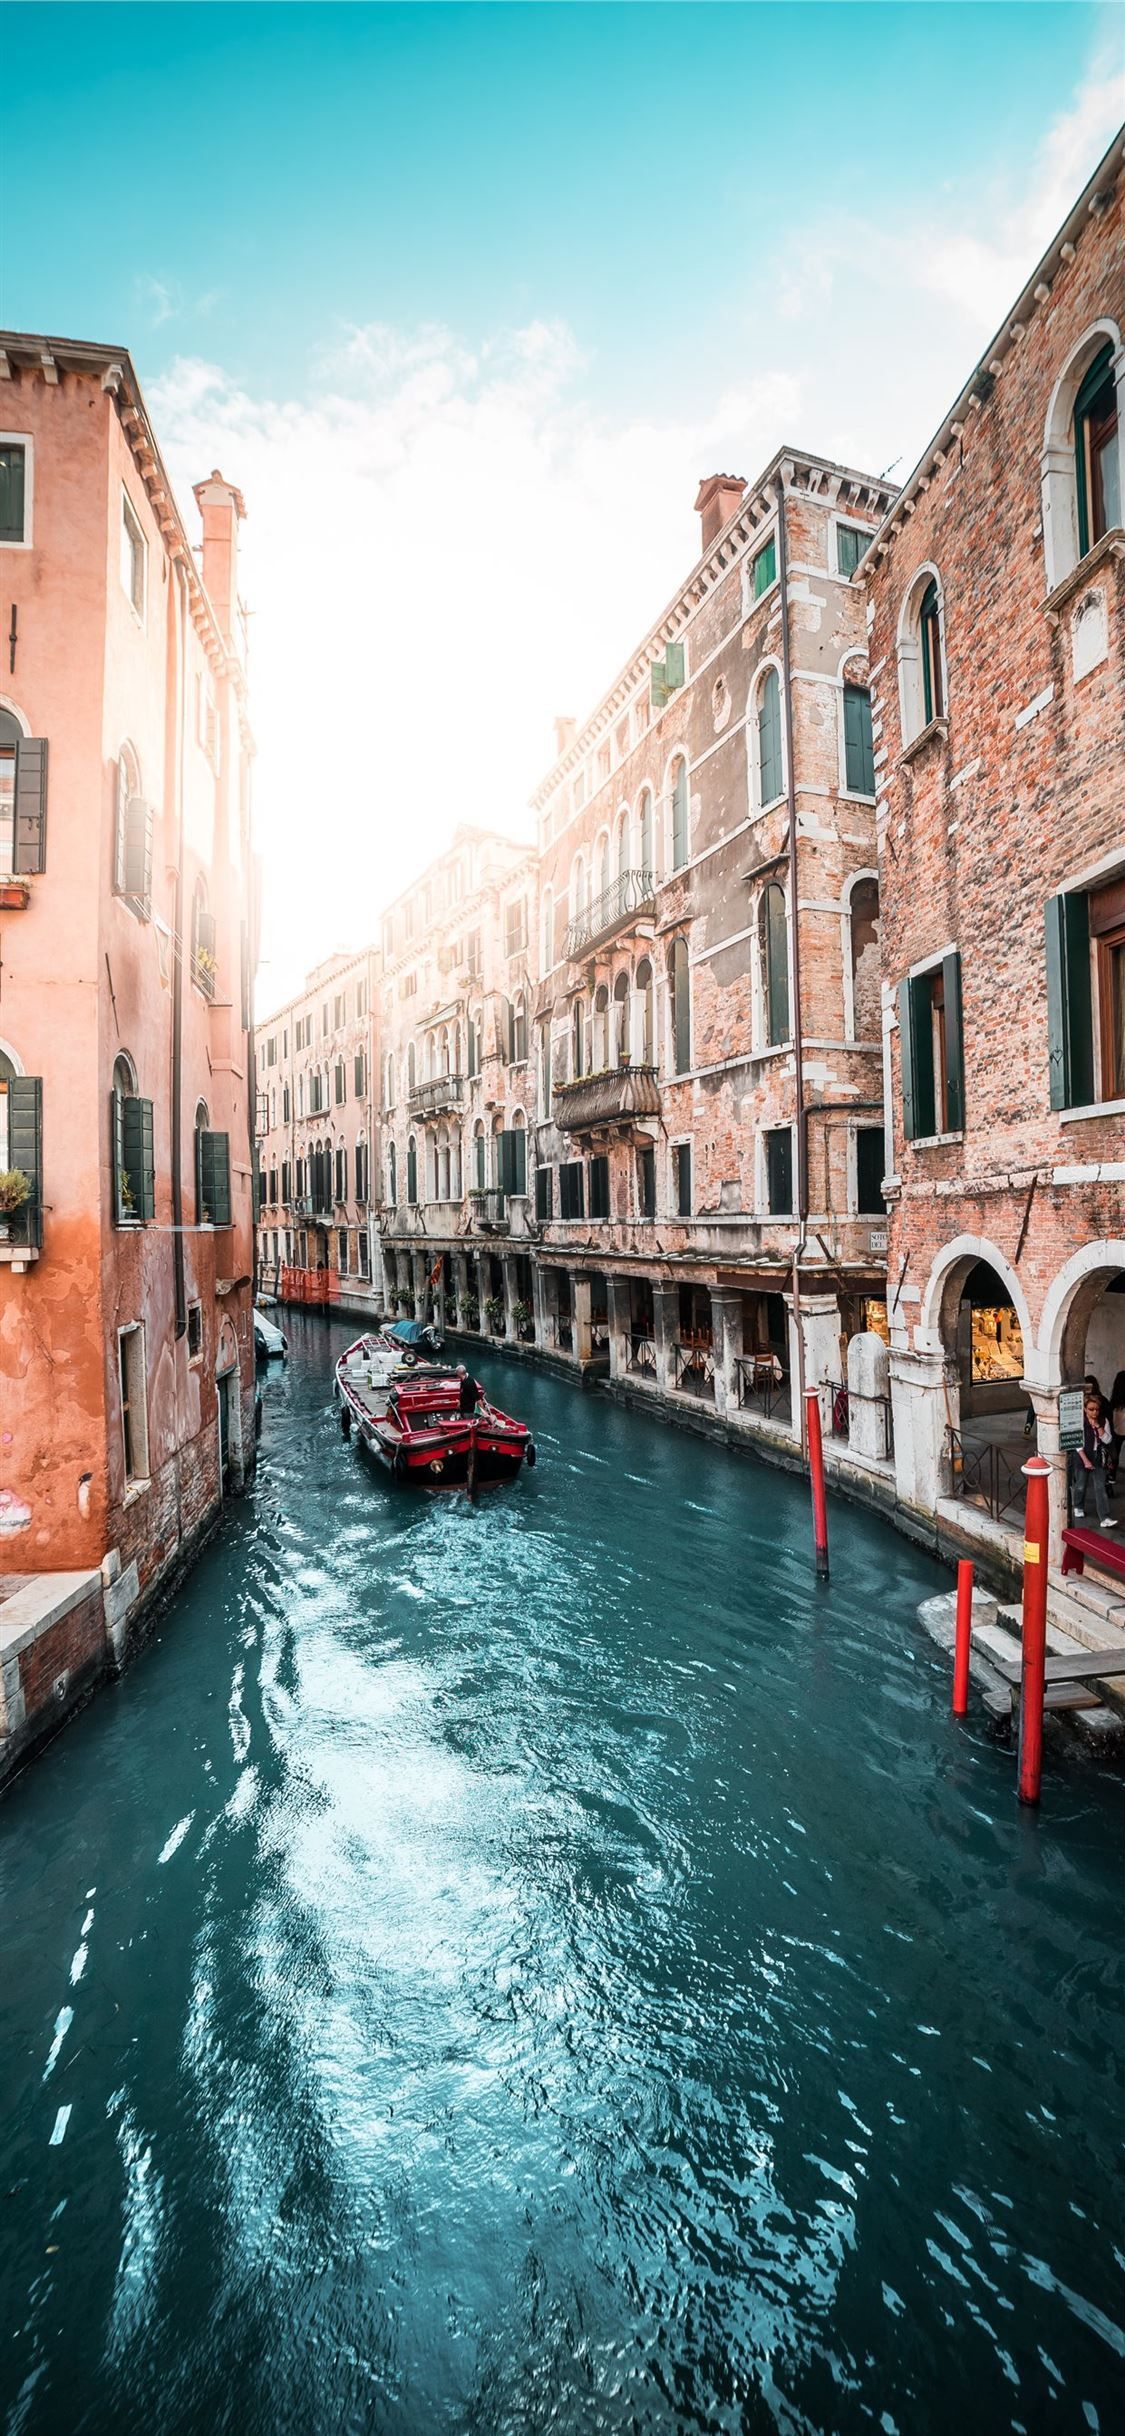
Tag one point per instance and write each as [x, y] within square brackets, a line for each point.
[630, 894]
[762, 1385]
[613, 1097]
[441, 1091]
[693, 1368]
[489, 1209]
[642, 1354]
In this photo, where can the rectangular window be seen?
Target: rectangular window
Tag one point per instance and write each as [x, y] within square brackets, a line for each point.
[132, 555]
[271, 1051]
[859, 748]
[194, 1331]
[779, 1171]
[339, 1005]
[364, 1250]
[764, 569]
[544, 1180]
[646, 1182]
[134, 1412]
[513, 1160]
[869, 1162]
[681, 1177]
[515, 927]
[342, 1254]
[14, 491]
[134, 1160]
[933, 1083]
[360, 1000]
[850, 546]
[571, 1189]
[212, 1178]
[599, 1187]
[341, 1080]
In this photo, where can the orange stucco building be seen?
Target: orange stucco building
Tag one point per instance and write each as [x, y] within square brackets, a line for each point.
[126, 1060]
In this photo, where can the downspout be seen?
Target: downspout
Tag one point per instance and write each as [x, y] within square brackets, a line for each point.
[795, 936]
[179, 1269]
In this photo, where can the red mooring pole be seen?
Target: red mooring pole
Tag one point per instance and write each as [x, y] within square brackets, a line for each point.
[816, 1475]
[963, 1639]
[1033, 1679]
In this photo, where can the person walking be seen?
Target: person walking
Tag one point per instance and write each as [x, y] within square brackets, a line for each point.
[1090, 1464]
[1117, 1422]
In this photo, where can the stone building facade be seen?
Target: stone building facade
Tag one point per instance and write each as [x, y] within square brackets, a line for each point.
[318, 1140]
[127, 952]
[996, 596]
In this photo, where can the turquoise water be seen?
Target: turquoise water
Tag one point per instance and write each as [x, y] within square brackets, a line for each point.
[550, 1966]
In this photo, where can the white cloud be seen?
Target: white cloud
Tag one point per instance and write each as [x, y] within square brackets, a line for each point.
[450, 539]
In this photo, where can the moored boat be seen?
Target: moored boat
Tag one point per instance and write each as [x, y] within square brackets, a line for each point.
[429, 1424]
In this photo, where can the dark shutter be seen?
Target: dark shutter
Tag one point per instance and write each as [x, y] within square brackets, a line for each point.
[360, 1076]
[137, 1156]
[916, 1047]
[779, 1171]
[680, 817]
[859, 750]
[683, 1179]
[138, 854]
[212, 1163]
[648, 1183]
[29, 852]
[13, 464]
[681, 1008]
[869, 1163]
[513, 1161]
[25, 1152]
[769, 739]
[544, 1178]
[953, 1114]
[411, 1173]
[1070, 1022]
[599, 1187]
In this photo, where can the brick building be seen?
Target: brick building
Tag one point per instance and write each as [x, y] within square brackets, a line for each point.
[317, 1140]
[126, 965]
[997, 606]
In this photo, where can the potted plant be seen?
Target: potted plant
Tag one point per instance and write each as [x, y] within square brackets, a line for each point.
[522, 1315]
[471, 1311]
[15, 1189]
[206, 968]
[126, 1206]
[494, 1313]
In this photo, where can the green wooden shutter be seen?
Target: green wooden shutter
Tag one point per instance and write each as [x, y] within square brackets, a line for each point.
[137, 1157]
[765, 568]
[769, 738]
[859, 750]
[1070, 1022]
[13, 459]
[681, 1008]
[30, 839]
[777, 966]
[673, 666]
[25, 1152]
[213, 1175]
[680, 817]
[359, 1077]
[952, 1116]
[657, 689]
[916, 1049]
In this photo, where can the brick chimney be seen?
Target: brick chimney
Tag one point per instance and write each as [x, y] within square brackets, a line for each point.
[716, 500]
[222, 509]
[565, 733]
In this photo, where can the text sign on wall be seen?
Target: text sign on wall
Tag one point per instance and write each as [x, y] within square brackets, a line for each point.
[1070, 1419]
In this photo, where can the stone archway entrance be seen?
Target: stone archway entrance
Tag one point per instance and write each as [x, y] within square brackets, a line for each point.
[988, 1413]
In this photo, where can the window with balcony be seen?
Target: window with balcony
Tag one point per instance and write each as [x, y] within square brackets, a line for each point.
[931, 1049]
[578, 1040]
[599, 1054]
[513, 1158]
[480, 1158]
[21, 1147]
[212, 1172]
[621, 1037]
[134, 1164]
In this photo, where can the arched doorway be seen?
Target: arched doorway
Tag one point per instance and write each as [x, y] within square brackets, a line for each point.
[975, 1308]
[989, 1346]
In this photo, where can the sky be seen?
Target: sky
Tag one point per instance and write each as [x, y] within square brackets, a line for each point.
[467, 299]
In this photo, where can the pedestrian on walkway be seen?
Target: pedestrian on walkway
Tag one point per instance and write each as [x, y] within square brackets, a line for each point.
[1089, 1467]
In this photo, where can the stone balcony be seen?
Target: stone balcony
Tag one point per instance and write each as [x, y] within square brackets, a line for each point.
[432, 1098]
[628, 897]
[618, 1096]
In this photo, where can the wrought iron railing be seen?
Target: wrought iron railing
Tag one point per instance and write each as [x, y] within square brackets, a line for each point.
[693, 1368]
[761, 1383]
[987, 1473]
[642, 1354]
[839, 1412]
[631, 893]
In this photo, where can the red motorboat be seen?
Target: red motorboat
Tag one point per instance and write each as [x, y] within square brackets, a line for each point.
[427, 1423]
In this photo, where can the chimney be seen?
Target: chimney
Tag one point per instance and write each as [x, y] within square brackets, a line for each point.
[222, 509]
[716, 500]
[565, 733]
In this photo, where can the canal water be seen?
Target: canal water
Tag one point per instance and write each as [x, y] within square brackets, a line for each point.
[553, 1967]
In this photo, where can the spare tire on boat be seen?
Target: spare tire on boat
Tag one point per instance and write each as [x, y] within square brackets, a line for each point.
[529, 1457]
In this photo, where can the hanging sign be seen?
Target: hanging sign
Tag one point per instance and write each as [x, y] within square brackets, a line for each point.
[1070, 1419]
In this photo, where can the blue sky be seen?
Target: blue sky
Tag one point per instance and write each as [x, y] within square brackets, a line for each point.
[491, 287]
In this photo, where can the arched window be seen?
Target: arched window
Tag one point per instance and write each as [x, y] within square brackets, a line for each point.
[646, 1030]
[622, 844]
[392, 1174]
[472, 1043]
[921, 656]
[578, 1039]
[132, 837]
[1083, 466]
[546, 930]
[621, 1020]
[773, 948]
[600, 1048]
[648, 866]
[203, 967]
[412, 1172]
[131, 1168]
[771, 770]
[863, 924]
[680, 845]
[517, 1029]
[1097, 469]
[859, 746]
[411, 1068]
[480, 1157]
[679, 983]
[23, 777]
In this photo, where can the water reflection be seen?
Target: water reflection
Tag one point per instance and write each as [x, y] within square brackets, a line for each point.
[549, 1966]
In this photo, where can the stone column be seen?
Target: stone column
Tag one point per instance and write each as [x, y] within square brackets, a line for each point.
[666, 1320]
[542, 1302]
[920, 1409]
[459, 1282]
[820, 1337]
[418, 1283]
[511, 1298]
[868, 1394]
[726, 1322]
[1045, 1406]
[620, 1311]
[581, 1305]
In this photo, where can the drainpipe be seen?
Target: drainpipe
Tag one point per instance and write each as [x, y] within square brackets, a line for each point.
[179, 1270]
[795, 936]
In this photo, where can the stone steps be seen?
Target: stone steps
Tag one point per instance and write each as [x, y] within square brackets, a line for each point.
[1097, 1709]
